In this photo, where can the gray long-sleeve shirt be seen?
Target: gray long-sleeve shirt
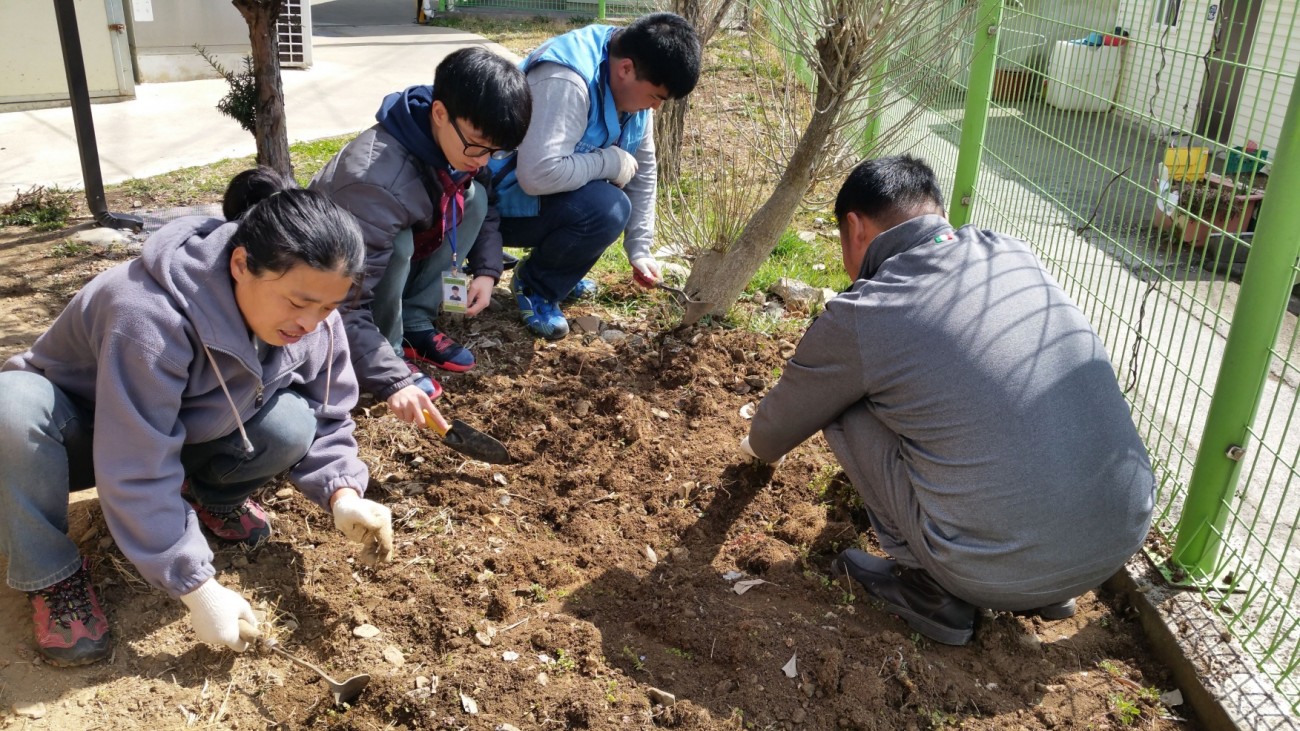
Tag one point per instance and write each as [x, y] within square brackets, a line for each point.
[549, 164]
[1011, 426]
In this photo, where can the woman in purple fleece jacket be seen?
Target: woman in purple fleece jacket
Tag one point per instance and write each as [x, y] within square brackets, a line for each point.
[178, 384]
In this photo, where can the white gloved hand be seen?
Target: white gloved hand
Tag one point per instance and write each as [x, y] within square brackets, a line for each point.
[623, 163]
[365, 522]
[645, 272]
[215, 612]
[748, 451]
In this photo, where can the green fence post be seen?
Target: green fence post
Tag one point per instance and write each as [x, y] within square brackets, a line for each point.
[1261, 303]
[600, 10]
[872, 132]
[978, 88]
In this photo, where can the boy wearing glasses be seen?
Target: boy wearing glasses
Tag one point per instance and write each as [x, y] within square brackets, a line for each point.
[419, 185]
[585, 171]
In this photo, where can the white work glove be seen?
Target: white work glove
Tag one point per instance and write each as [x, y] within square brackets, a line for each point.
[645, 272]
[748, 451]
[215, 612]
[622, 161]
[368, 523]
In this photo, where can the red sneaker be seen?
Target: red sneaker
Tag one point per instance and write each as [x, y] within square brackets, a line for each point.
[71, 628]
[246, 523]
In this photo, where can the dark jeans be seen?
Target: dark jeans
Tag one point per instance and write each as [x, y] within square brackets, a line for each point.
[567, 237]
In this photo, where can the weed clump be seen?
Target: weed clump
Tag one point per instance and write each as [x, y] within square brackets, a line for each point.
[42, 208]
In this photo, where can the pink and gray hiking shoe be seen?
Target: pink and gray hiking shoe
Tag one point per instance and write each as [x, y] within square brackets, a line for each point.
[246, 523]
[71, 628]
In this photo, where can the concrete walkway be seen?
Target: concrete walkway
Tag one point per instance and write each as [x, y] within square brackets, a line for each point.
[362, 50]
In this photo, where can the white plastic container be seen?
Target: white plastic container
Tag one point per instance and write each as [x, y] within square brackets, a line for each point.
[1083, 78]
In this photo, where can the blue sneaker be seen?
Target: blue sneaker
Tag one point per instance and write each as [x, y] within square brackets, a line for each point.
[430, 387]
[541, 316]
[437, 349]
[585, 289]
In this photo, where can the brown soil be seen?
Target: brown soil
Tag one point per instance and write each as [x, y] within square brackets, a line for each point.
[576, 588]
[601, 559]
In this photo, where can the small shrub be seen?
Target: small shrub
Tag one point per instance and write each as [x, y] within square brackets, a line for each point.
[44, 209]
[240, 103]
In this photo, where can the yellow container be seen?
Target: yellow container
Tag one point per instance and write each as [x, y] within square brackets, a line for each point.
[1186, 163]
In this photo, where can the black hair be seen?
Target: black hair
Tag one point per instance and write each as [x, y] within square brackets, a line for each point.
[886, 188]
[487, 91]
[250, 186]
[282, 225]
[665, 50]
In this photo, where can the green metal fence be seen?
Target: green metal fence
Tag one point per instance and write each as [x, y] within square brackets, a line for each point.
[600, 9]
[1145, 148]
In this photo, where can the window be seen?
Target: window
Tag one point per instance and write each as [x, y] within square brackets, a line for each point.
[1167, 12]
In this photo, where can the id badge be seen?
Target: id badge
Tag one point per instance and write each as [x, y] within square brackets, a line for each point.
[455, 291]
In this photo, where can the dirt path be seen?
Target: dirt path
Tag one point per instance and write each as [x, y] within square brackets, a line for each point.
[572, 590]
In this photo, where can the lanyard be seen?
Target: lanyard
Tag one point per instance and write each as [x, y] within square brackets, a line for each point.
[451, 216]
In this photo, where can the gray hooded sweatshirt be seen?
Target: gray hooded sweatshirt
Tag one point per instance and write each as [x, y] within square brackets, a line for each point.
[146, 346]
[1025, 465]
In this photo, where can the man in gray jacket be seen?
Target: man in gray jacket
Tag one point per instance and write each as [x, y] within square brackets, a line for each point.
[973, 408]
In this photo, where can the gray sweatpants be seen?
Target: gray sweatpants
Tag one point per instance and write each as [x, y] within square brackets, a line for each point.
[869, 453]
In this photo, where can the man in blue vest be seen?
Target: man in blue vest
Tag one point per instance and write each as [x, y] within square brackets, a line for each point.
[585, 171]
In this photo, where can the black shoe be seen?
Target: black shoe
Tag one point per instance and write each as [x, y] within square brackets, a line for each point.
[1059, 610]
[911, 594]
[508, 261]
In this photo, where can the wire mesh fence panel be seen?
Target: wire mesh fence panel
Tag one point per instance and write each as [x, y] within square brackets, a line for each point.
[586, 8]
[1128, 141]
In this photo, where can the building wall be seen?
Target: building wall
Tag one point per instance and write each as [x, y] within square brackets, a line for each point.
[1164, 72]
[32, 57]
[1265, 95]
[163, 40]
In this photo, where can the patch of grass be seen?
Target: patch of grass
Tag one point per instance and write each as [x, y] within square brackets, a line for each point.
[70, 249]
[678, 652]
[309, 157]
[634, 657]
[42, 208]
[564, 661]
[538, 593]
[1110, 668]
[207, 183]
[519, 33]
[816, 262]
[822, 482]
[611, 692]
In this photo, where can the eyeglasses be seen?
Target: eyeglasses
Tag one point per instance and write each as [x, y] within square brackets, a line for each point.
[472, 150]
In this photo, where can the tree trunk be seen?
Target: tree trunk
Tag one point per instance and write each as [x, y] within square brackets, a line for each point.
[719, 276]
[670, 126]
[271, 131]
[706, 17]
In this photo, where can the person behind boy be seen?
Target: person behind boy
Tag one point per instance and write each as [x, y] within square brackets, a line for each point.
[585, 171]
[418, 185]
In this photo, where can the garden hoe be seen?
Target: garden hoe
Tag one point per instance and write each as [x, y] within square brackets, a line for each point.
[344, 692]
[695, 309]
[470, 441]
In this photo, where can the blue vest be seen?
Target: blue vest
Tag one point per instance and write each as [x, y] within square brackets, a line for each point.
[586, 52]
